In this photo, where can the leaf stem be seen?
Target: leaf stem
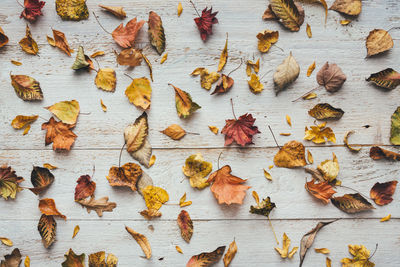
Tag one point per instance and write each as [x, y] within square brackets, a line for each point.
[273, 230]
[273, 135]
[100, 23]
[233, 110]
[94, 169]
[128, 75]
[376, 248]
[354, 190]
[193, 133]
[219, 156]
[195, 8]
[306, 93]
[120, 154]
[20, 3]
[235, 69]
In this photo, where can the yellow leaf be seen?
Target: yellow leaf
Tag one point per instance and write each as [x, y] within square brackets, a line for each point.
[324, 111]
[288, 120]
[183, 202]
[360, 258]
[291, 155]
[6, 241]
[285, 134]
[345, 22]
[178, 248]
[27, 261]
[106, 79]
[139, 92]
[329, 168]
[49, 166]
[76, 230]
[197, 170]
[254, 84]
[103, 107]
[251, 65]
[28, 44]
[26, 130]
[317, 134]
[270, 167]
[266, 39]
[174, 131]
[348, 7]
[21, 121]
[164, 58]
[117, 11]
[309, 96]
[72, 9]
[184, 104]
[386, 218]
[152, 160]
[97, 53]
[230, 254]
[310, 157]
[308, 30]
[256, 197]
[51, 41]
[322, 250]
[148, 65]
[224, 56]
[16, 63]
[154, 197]
[213, 129]
[141, 240]
[267, 175]
[310, 70]
[328, 262]
[66, 111]
[207, 79]
[180, 9]
[378, 41]
[284, 251]
[197, 71]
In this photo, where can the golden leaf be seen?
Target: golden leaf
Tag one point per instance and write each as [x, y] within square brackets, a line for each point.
[230, 254]
[251, 65]
[291, 155]
[154, 197]
[26, 130]
[149, 214]
[164, 58]
[27, 261]
[351, 203]
[286, 73]
[6, 241]
[152, 160]
[66, 111]
[76, 230]
[126, 175]
[317, 134]
[346, 142]
[130, 57]
[328, 262]
[197, 71]
[329, 168]
[325, 111]
[207, 79]
[178, 248]
[28, 44]
[254, 84]
[345, 22]
[284, 251]
[213, 129]
[49, 166]
[60, 41]
[148, 65]
[288, 13]
[106, 79]
[266, 39]
[361, 256]
[309, 96]
[308, 30]
[310, 158]
[322, 250]
[141, 240]
[224, 56]
[103, 106]
[16, 63]
[98, 205]
[47, 230]
[156, 32]
[348, 7]
[378, 41]
[285, 134]
[288, 120]
[27, 88]
[206, 258]
[117, 11]
[180, 9]
[310, 70]
[21, 121]
[197, 170]
[136, 133]
[174, 131]
[386, 218]
[72, 9]
[47, 206]
[97, 54]
[183, 202]
[139, 92]
[3, 38]
[51, 41]
[184, 104]
[267, 175]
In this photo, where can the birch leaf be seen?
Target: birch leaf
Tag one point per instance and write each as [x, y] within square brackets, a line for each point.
[27, 88]
[395, 127]
[141, 240]
[348, 7]
[186, 225]
[387, 78]
[117, 11]
[378, 41]
[230, 254]
[352, 203]
[66, 111]
[28, 44]
[106, 79]
[324, 111]
[224, 56]
[156, 32]
[154, 197]
[139, 92]
[47, 229]
[60, 41]
[135, 134]
[286, 73]
[288, 13]
[98, 205]
[291, 155]
[206, 259]
[21, 121]
[174, 131]
[184, 104]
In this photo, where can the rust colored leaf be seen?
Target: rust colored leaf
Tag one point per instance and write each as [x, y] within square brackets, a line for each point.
[59, 134]
[98, 205]
[322, 190]
[206, 259]
[186, 225]
[205, 22]
[47, 206]
[60, 41]
[32, 9]
[352, 203]
[85, 187]
[331, 77]
[240, 130]
[382, 193]
[130, 57]
[47, 229]
[377, 152]
[141, 240]
[291, 155]
[125, 36]
[224, 84]
[41, 179]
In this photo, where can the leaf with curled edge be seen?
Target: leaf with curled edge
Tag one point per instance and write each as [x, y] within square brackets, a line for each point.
[47, 229]
[352, 203]
[117, 11]
[324, 111]
[230, 254]
[85, 187]
[125, 36]
[156, 32]
[348, 7]
[185, 223]
[288, 13]
[331, 77]
[3, 38]
[28, 44]
[47, 206]
[286, 73]
[59, 134]
[387, 78]
[27, 88]
[206, 258]
[126, 175]
[185, 106]
[377, 153]
[32, 9]
[197, 169]
[60, 41]
[322, 190]
[98, 205]
[224, 56]
[141, 240]
[20, 121]
[378, 41]
[41, 179]
[9, 182]
[130, 57]
[291, 155]
[66, 111]
[382, 193]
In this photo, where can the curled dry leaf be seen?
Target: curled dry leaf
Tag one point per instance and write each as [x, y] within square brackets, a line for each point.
[103, 106]
[130, 57]
[284, 251]
[139, 92]
[205, 22]
[41, 179]
[49, 166]
[12, 260]
[154, 197]
[345, 22]
[16, 63]
[386, 218]
[269, 14]
[288, 13]
[286, 73]
[149, 214]
[213, 129]
[361, 256]
[6, 241]
[206, 259]
[20, 121]
[60, 41]
[324, 111]
[250, 65]
[9, 182]
[178, 248]
[47, 206]
[348, 7]
[331, 77]
[179, 9]
[291, 155]
[66, 111]
[254, 84]
[310, 69]
[98, 259]
[267, 38]
[73, 260]
[125, 36]
[106, 79]
[387, 78]
[377, 152]
[262, 208]
[197, 170]
[322, 190]
[156, 32]
[395, 127]
[230, 254]
[351, 203]
[322, 250]
[27, 88]
[51, 41]
[164, 58]
[117, 11]
[329, 169]
[224, 56]
[227, 188]
[318, 134]
[184, 104]
[310, 157]
[3, 38]
[149, 66]
[224, 84]
[240, 130]
[309, 96]
[76, 231]
[98, 205]
[382, 193]
[144, 181]
[308, 30]
[152, 160]
[186, 225]
[183, 202]
[267, 175]
[72, 9]
[47, 229]
[127, 175]
[59, 134]
[26, 130]
[346, 142]
[82, 61]
[174, 131]
[28, 44]
[97, 54]
[378, 41]
[308, 239]
[85, 187]
[141, 240]
[32, 9]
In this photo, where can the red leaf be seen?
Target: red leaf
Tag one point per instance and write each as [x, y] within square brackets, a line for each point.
[33, 9]
[241, 130]
[205, 22]
[323, 190]
[85, 187]
[382, 193]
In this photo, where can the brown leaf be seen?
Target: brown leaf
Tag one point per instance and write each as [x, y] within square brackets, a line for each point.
[125, 36]
[149, 66]
[387, 78]
[41, 179]
[224, 84]
[186, 225]
[377, 152]
[28, 44]
[129, 57]
[27, 88]
[288, 13]
[59, 134]
[49, 166]
[85, 187]
[98, 205]
[378, 41]
[98, 259]
[73, 260]
[291, 155]
[348, 7]
[352, 203]
[308, 239]
[230, 254]
[12, 260]
[60, 41]
[47, 206]
[174, 131]
[324, 111]
[3, 38]
[346, 142]
[47, 229]
[331, 77]
[382, 193]
[9, 182]
[206, 259]
[117, 11]
[150, 213]
[141, 240]
[127, 175]
[322, 190]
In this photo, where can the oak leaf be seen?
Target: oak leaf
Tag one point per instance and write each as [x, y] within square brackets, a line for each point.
[154, 197]
[60, 41]
[286, 73]
[127, 175]
[186, 225]
[130, 57]
[3, 38]
[288, 13]
[361, 256]
[139, 92]
[197, 170]
[331, 77]
[117, 11]
[73, 260]
[59, 134]
[224, 56]
[387, 78]
[174, 131]
[9, 182]
[224, 84]
[32, 9]
[378, 41]
[230, 254]
[318, 134]
[205, 22]
[395, 127]
[20, 121]
[227, 189]
[41, 179]
[329, 169]
[27, 88]
[106, 79]
[324, 111]
[184, 103]
[382, 193]
[267, 38]
[351, 203]
[28, 44]
[98, 205]
[284, 251]
[125, 36]
[377, 152]
[322, 190]
[254, 84]
[291, 155]
[240, 130]
[206, 259]
[47, 229]
[12, 260]
[72, 9]
[47, 206]
[348, 7]
[141, 240]
[85, 187]
[66, 111]
[156, 32]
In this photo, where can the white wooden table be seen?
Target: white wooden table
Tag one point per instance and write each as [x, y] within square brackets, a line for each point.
[100, 135]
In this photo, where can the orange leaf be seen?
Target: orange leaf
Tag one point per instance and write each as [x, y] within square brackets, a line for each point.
[61, 42]
[206, 258]
[48, 207]
[382, 193]
[85, 187]
[125, 36]
[323, 190]
[59, 134]
[227, 188]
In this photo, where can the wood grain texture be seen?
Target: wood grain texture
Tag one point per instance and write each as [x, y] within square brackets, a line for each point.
[100, 135]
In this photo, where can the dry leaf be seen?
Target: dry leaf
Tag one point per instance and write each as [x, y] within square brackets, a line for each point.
[47, 206]
[127, 175]
[180, 9]
[141, 240]
[324, 111]
[309, 96]
[12, 260]
[125, 36]
[288, 13]
[284, 251]
[49, 166]
[386, 218]
[60, 41]
[206, 259]
[267, 175]
[59, 134]
[98, 205]
[41, 179]
[98, 259]
[184, 104]
[186, 225]
[3, 38]
[317, 134]
[154, 197]
[32, 9]
[227, 189]
[152, 160]
[6, 241]
[149, 66]
[230, 254]
[269, 14]
[331, 77]
[378, 41]
[395, 127]
[156, 32]
[240, 130]
[183, 202]
[117, 11]
[287, 72]
[345, 22]
[224, 84]
[73, 260]
[251, 65]
[322, 190]
[291, 155]
[149, 214]
[103, 106]
[264, 207]
[174, 131]
[213, 129]
[205, 22]
[224, 56]
[27, 261]
[309, 33]
[16, 63]
[21, 121]
[377, 152]
[76, 231]
[197, 170]
[361, 256]
[322, 250]
[27, 88]
[207, 79]
[26, 130]
[310, 69]
[130, 57]
[164, 58]
[178, 248]
[254, 84]
[106, 79]
[351, 203]
[9, 182]
[82, 61]
[329, 169]
[348, 7]
[139, 92]
[47, 229]
[51, 41]
[387, 78]
[267, 38]
[382, 193]
[85, 187]
[97, 54]
[72, 9]
[28, 44]
[310, 158]
[346, 142]
[66, 111]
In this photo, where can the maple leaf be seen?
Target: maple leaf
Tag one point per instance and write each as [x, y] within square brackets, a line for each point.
[85, 187]
[240, 130]
[125, 36]
[32, 10]
[59, 134]
[205, 21]
[227, 188]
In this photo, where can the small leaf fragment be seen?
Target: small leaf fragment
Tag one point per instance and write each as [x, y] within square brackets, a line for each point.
[178, 248]
[345, 22]
[346, 142]
[27, 261]
[117, 11]
[213, 129]
[103, 106]
[6, 241]
[267, 175]
[21, 121]
[309, 96]
[186, 225]
[224, 56]
[164, 58]
[322, 250]
[49, 166]
[97, 54]
[386, 218]
[308, 30]
[310, 157]
[288, 120]
[76, 231]
[141, 240]
[206, 258]
[152, 160]
[16, 63]
[230, 254]
[310, 69]
[183, 202]
[179, 9]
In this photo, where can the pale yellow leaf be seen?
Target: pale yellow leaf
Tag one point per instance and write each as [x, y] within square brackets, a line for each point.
[6, 241]
[309, 96]
[267, 175]
[310, 157]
